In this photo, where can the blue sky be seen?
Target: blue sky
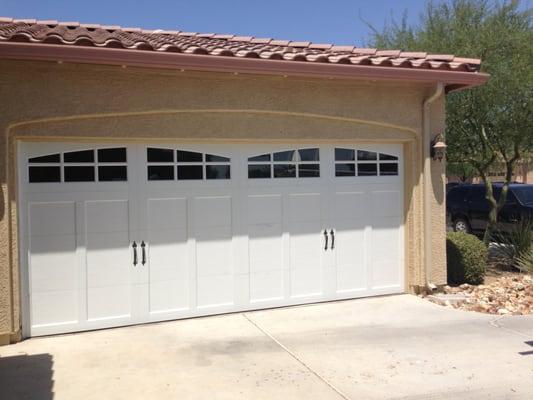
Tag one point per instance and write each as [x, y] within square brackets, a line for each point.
[327, 21]
[319, 21]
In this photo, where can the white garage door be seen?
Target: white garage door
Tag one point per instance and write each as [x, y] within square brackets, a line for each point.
[122, 234]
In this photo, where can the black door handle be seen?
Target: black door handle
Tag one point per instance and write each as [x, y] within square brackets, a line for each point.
[326, 237]
[134, 245]
[332, 239]
[143, 252]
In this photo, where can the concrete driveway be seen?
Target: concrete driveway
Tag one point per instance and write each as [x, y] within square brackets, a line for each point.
[397, 347]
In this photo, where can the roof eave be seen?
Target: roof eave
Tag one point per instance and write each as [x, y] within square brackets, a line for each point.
[455, 80]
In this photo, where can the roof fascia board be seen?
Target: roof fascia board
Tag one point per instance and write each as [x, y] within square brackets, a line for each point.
[151, 59]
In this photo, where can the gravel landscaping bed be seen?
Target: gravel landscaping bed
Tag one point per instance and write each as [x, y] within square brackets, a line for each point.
[506, 294]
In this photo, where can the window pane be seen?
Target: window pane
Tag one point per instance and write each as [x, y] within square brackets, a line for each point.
[79, 174]
[52, 158]
[113, 173]
[344, 169]
[186, 172]
[217, 172]
[344, 155]
[159, 155]
[214, 158]
[284, 171]
[284, 156]
[44, 174]
[387, 157]
[112, 155]
[160, 172]
[364, 155]
[262, 157]
[367, 169]
[189, 156]
[79, 156]
[258, 171]
[309, 170]
[309, 155]
[388, 169]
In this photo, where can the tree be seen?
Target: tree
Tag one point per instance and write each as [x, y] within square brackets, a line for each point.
[490, 124]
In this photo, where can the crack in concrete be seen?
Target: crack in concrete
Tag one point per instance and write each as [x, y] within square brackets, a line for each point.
[494, 323]
[300, 361]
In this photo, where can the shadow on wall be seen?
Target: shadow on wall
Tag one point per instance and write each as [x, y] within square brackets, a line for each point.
[26, 377]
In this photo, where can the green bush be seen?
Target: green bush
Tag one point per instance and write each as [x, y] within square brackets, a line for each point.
[467, 258]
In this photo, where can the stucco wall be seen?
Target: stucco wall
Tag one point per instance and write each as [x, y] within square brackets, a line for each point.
[63, 101]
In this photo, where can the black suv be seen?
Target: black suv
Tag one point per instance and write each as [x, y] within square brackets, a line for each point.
[467, 209]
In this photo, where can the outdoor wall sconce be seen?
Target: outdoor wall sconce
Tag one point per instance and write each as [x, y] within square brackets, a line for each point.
[438, 148]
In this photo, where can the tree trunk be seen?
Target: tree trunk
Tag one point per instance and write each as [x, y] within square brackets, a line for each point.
[496, 206]
[493, 210]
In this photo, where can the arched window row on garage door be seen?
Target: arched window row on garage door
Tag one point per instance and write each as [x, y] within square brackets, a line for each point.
[170, 164]
[92, 165]
[355, 162]
[297, 163]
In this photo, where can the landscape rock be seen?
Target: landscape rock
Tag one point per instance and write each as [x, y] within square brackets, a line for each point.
[507, 295]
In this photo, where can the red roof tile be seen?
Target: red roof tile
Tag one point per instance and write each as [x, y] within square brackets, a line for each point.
[216, 45]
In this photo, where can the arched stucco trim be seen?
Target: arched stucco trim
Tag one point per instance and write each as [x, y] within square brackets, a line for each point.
[11, 129]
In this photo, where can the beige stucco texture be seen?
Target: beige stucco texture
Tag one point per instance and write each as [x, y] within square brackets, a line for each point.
[53, 101]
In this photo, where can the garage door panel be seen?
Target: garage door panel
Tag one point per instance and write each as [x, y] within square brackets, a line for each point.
[265, 246]
[265, 249]
[53, 263]
[57, 307]
[386, 203]
[351, 257]
[264, 209]
[169, 280]
[54, 218]
[214, 211]
[306, 260]
[169, 270]
[304, 207]
[385, 239]
[214, 263]
[385, 254]
[385, 274]
[350, 205]
[109, 302]
[109, 268]
[107, 216]
[167, 213]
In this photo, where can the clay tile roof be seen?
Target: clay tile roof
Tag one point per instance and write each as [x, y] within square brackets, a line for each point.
[216, 45]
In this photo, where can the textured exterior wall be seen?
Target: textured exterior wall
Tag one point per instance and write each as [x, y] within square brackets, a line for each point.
[51, 101]
[438, 199]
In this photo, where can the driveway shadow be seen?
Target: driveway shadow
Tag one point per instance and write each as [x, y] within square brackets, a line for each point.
[26, 377]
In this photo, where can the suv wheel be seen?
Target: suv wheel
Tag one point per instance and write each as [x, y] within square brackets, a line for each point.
[461, 225]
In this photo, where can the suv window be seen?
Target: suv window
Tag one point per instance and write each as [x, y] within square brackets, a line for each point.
[456, 195]
[524, 194]
[510, 200]
[476, 195]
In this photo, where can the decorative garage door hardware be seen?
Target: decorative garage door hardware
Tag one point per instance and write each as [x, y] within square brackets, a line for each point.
[143, 253]
[332, 233]
[104, 254]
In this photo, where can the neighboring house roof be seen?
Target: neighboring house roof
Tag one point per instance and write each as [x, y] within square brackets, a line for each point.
[149, 43]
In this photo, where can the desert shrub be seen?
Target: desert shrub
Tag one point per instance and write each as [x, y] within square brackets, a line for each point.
[515, 248]
[467, 258]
